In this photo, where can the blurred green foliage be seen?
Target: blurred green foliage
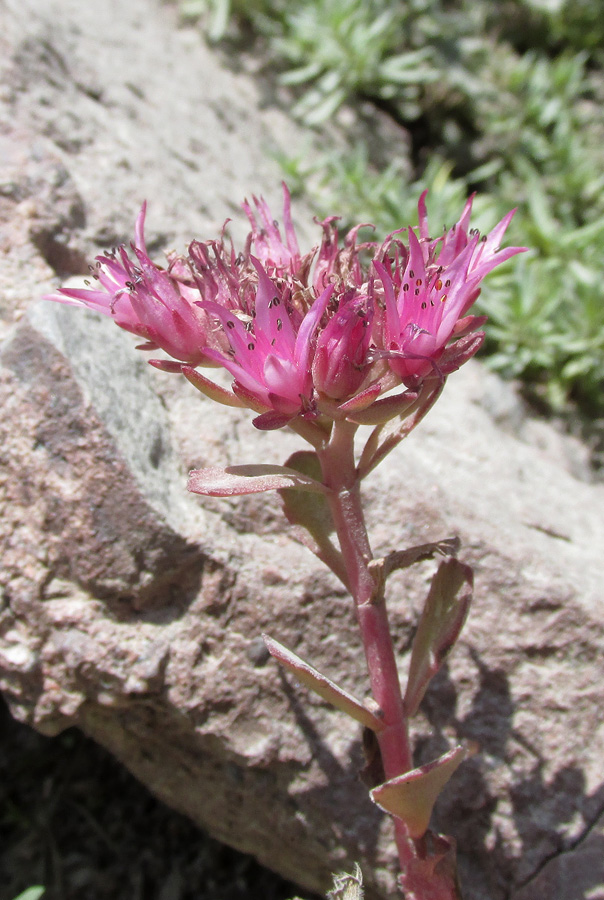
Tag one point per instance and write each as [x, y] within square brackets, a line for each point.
[503, 97]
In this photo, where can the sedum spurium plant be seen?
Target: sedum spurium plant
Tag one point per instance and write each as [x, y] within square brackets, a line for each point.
[352, 333]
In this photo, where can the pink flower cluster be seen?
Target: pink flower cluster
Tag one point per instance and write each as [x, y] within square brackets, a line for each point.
[321, 334]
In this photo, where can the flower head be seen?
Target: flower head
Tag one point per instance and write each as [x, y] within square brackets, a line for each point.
[314, 335]
[429, 286]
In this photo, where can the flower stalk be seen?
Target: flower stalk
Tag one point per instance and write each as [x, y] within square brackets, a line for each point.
[340, 474]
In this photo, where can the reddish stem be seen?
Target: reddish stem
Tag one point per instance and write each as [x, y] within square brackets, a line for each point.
[340, 474]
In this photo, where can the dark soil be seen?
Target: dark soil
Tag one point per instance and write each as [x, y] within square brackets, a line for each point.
[75, 821]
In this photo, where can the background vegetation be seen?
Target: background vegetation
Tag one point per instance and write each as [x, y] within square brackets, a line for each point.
[503, 97]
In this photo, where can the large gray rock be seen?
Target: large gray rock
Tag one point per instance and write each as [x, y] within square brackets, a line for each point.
[134, 610]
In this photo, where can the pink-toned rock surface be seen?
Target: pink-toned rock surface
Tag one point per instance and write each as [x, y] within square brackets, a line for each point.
[134, 610]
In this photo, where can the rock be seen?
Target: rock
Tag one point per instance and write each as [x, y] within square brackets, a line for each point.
[574, 873]
[133, 609]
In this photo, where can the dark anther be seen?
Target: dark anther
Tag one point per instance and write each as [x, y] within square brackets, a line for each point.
[424, 304]
[405, 286]
[230, 324]
[411, 274]
[448, 282]
[279, 324]
[250, 346]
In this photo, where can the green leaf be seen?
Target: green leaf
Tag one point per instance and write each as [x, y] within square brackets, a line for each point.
[32, 893]
[323, 686]
[442, 619]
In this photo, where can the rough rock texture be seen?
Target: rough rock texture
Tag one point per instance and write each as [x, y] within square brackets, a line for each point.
[134, 610]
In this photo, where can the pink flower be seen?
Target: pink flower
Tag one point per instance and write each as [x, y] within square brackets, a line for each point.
[324, 334]
[146, 300]
[341, 361]
[275, 254]
[271, 353]
[428, 289]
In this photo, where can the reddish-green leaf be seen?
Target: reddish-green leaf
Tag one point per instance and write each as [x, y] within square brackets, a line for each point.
[311, 513]
[361, 401]
[385, 437]
[235, 480]
[321, 685]
[442, 619]
[382, 411]
[411, 797]
[211, 390]
[402, 559]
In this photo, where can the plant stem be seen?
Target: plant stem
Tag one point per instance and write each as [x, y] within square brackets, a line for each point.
[340, 474]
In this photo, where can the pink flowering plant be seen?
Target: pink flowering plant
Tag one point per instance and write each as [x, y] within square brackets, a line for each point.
[352, 333]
